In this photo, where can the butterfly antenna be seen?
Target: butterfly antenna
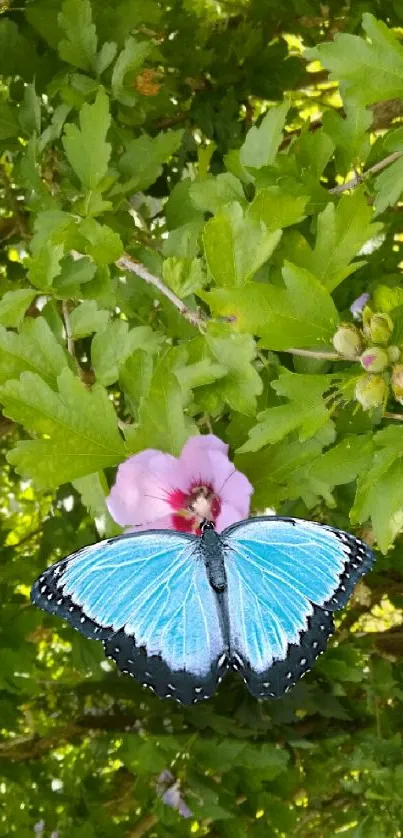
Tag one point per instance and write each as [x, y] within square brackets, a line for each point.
[154, 497]
[226, 480]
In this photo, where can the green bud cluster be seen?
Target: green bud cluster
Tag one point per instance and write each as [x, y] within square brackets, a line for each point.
[372, 346]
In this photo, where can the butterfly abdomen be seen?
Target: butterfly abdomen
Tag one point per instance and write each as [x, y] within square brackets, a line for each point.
[213, 555]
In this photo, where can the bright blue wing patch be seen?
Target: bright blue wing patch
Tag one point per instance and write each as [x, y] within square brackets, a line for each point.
[147, 596]
[284, 578]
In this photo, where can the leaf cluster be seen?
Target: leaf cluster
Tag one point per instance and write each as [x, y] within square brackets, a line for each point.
[231, 153]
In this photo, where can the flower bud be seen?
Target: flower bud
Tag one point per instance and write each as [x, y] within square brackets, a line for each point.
[397, 382]
[375, 359]
[347, 340]
[380, 328]
[393, 353]
[366, 321]
[371, 391]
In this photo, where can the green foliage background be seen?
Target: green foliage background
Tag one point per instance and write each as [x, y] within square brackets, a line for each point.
[209, 141]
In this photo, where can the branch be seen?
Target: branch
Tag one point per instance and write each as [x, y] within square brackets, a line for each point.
[67, 326]
[357, 179]
[35, 747]
[125, 263]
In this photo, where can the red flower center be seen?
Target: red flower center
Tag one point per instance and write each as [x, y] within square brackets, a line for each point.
[190, 509]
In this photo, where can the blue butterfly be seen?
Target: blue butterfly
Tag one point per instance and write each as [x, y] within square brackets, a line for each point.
[175, 611]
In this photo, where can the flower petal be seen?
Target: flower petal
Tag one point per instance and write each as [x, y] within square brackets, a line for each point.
[237, 491]
[228, 515]
[202, 443]
[205, 466]
[142, 488]
[165, 523]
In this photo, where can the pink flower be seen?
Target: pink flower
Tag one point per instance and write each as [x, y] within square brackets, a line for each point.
[154, 490]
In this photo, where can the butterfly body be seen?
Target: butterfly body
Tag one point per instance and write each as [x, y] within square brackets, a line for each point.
[212, 549]
[175, 610]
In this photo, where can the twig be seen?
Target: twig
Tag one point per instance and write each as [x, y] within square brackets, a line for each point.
[357, 179]
[143, 826]
[398, 416]
[324, 356]
[67, 326]
[26, 538]
[125, 263]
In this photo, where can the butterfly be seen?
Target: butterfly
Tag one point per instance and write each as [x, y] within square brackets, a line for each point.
[175, 610]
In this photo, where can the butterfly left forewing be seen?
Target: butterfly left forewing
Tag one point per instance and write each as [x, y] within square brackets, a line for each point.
[147, 597]
[285, 577]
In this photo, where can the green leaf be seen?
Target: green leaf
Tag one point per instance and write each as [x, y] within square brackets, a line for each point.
[184, 241]
[341, 233]
[30, 111]
[44, 265]
[313, 151]
[80, 46]
[388, 186]
[143, 159]
[211, 194]
[87, 319]
[86, 148]
[135, 375]
[306, 413]
[51, 225]
[195, 365]
[141, 757]
[344, 462]
[93, 490]
[227, 753]
[74, 273]
[129, 60]
[268, 759]
[105, 57]
[277, 209]
[242, 383]
[200, 373]
[13, 306]
[102, 244]
[184, 276]
[163, 424]
[180, 208]
[80, 426]
[277, 472]
[18, 54]
[236, 247]
[350, 135]
[112, 346]
[378, 60]
[109, 349]
[35, 349]
[261, 144]
[380, 488]
[300, 315]
[9, 126]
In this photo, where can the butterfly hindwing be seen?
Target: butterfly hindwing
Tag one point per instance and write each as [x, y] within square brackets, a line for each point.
[148, 598]
[285, 577]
